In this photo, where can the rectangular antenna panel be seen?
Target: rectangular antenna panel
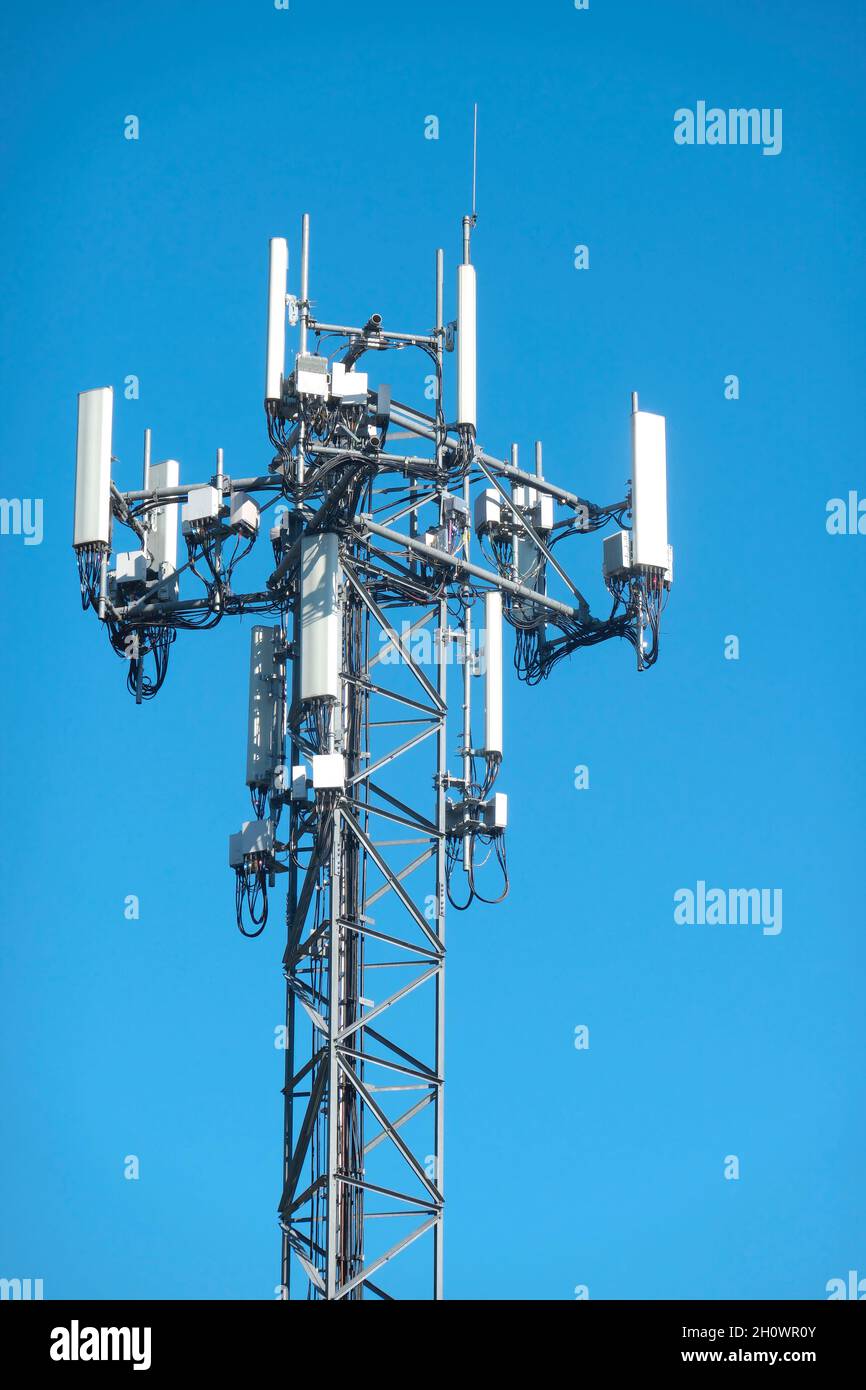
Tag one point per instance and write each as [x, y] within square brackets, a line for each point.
[493, 672]
[265, 723]
[528, 561]
[276, 354]
[649, 545]
[162, 538]
[530, 569]
[467, 346]
[92, 524]
[321, 625]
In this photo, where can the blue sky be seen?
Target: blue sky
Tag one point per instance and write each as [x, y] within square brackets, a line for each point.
[601, 1167]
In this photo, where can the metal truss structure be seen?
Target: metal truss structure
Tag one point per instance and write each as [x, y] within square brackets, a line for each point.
[358, 799]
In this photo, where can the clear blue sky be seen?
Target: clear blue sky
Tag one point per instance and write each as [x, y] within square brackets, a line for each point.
[601, 1167]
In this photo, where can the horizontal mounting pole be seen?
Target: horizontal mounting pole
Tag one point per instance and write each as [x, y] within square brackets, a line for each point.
[425, 339]
[365, 523]
[423, 426]
[177, 494]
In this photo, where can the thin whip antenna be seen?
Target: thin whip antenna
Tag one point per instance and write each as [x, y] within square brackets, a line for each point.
[474, 159]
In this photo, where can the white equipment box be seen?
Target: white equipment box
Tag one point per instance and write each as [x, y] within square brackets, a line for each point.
[329, 771]
[616, 557]
[348, 386]
[311, 375]
[254, 837]
[203, 504]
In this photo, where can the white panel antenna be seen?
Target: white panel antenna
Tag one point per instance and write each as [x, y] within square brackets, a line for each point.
[321, 624]
[467, 346]
[92, 524]
[277, 279]
[529, 564]
[162, 537]
[649, 544]
[493, 672]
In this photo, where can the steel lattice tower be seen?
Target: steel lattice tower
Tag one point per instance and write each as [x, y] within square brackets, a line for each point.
[359, 805]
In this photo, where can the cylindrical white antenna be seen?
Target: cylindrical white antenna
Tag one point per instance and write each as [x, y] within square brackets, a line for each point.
[538, 459]
[466, 346]
[146, 470]
[493, 671]
[276, 358]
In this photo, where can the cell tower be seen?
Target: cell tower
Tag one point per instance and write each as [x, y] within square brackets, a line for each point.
[379, 620]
